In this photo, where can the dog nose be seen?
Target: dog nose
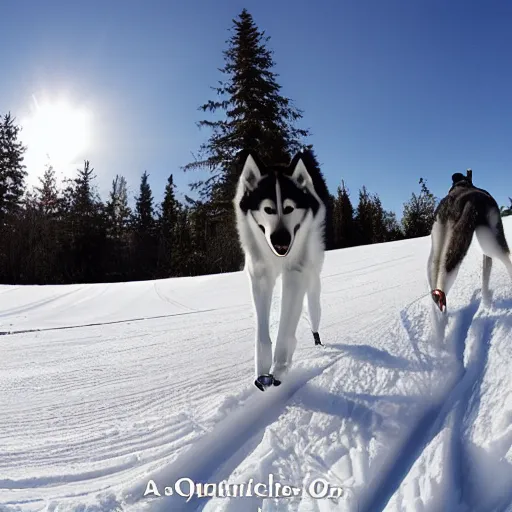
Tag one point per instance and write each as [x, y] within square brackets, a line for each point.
[281, 239]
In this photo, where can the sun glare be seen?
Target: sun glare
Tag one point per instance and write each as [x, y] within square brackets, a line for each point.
[57, 133]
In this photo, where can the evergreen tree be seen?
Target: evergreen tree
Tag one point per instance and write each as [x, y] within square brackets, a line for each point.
[378, 231]
[392, 227]
[12, 169]
[85, 228]
[418, 215]
[45, 237]
[167, 228]
[118, 216]
[47, 195]
[256, 115]
[117, 210]
[143, 221]
[182, 259]
[364, 218]
[249, 112]
[371, 219]
[343, 219]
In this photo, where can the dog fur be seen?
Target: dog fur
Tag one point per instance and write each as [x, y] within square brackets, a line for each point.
[465, 211]
[280, 216]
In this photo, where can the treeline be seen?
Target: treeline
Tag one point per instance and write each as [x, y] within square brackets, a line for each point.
[67, 233]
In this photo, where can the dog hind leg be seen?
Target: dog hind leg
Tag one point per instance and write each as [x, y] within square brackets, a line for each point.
[456, 245]
[294, 289]
[493, 242]
[439, 246]
[486, 277]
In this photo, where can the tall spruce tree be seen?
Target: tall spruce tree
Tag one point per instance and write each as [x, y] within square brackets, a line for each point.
[370, 219]
[418, 215]
[41, 259]
[181, 258]
[118, 216]
[47, 193]
[343, 219]
[379, 232]
[254, 114]
[167, 230]
[144, 220]
[12, 169]
[144, 227]
[117, 210]
[393, 231]
[249, 112]
[364, 218]
[86, 230]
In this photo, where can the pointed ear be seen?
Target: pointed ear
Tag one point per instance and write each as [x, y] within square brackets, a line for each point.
[300, 174]
[251, 173]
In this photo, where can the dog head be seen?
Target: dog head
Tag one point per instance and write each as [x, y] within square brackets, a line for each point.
[276, 200]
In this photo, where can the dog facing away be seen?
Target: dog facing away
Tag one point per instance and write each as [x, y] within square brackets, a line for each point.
[465, 211]
[280, 216]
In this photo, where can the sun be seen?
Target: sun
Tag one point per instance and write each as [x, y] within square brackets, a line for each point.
[56, 132]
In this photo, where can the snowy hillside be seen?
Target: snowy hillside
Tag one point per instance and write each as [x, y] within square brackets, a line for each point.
[106, 387]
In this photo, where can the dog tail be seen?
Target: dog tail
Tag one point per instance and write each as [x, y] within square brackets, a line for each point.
[461, 237]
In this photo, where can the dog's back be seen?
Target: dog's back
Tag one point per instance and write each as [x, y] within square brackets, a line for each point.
[467, 204]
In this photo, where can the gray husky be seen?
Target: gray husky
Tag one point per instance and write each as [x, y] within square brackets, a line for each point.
[464, 211]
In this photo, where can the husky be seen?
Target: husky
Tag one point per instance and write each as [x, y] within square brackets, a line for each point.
[465, 211]
[280, 216]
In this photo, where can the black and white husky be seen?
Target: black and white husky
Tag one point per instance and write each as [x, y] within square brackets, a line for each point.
[464, 211]
[280, 215]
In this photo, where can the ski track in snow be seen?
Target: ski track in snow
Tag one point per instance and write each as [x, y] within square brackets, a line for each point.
[104, 387]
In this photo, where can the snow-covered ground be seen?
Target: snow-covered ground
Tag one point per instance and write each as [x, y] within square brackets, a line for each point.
[104, 388]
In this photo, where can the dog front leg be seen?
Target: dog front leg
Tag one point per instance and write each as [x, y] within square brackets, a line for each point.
[294, 289]
[314, 306]
[262, 288]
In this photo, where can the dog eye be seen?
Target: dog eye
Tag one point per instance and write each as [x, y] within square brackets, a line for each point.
[288, 209]
[269, 210]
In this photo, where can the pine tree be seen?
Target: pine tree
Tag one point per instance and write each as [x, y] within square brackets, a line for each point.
[86, 229]
[143, 222]
[373, 222]
[343, 219]
[12, 169]
[379, 233]
[392, 227]
[249, 112]
[418, 215]
[48, 201]
[182, 257]
[364, 218]
[117, 210]
[118, 215]
[256, 115]
[167, 230]
[34, 238]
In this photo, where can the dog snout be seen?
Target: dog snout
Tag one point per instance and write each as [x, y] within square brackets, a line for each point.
[281, 240]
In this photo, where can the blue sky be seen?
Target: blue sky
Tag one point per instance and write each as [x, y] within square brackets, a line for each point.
[392, 91]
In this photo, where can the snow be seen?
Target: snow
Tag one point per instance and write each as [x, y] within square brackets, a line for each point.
[104, 388]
